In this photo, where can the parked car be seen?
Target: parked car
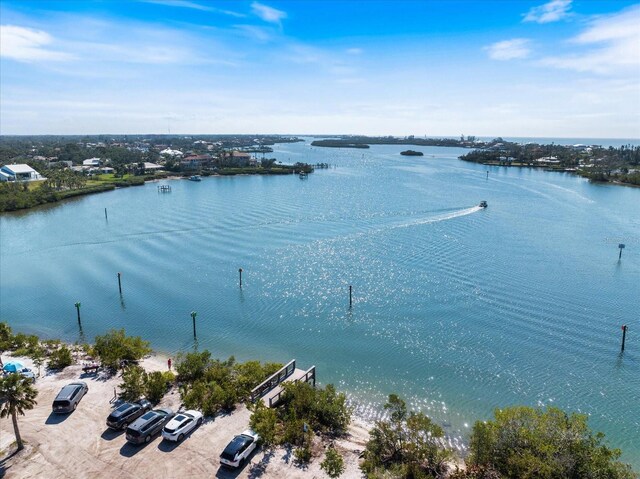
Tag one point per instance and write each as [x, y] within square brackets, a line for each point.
[28, 373]
[148, 425]
[239, 449]
[69, 396]
[126, 413]
[181, 425]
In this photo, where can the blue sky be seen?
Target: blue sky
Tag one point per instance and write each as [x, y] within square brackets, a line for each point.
[564, 68]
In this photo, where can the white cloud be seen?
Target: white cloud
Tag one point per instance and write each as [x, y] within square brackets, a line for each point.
[268, 14]
[552, 11]
[194, 6]
[509, 49]
[612, 45]
[27, 45]
[354, 51]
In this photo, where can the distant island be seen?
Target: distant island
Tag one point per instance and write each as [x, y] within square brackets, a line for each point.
[339, 144]
[411, 153]
[610, 165]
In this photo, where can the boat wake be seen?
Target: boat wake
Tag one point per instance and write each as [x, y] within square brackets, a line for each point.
[437, 218]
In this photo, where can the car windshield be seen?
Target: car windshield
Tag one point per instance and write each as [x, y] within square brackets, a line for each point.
[179, 418]
[133, 432]
[60, 403]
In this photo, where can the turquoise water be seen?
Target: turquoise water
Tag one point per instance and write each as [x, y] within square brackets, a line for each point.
[458, 309]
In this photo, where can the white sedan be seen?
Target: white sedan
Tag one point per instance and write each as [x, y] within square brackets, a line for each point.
[181, 424]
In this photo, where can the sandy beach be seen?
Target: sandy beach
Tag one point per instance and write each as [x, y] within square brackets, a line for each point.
[79, 444]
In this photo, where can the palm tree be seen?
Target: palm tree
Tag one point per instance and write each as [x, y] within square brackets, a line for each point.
[17, 394]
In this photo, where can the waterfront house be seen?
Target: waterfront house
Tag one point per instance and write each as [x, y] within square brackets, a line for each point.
[20, 172]
[237, 158]
[151, 167]
[91, 162]
[194, 162]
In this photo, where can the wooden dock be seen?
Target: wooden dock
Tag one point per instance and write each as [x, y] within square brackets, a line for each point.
[270, 390]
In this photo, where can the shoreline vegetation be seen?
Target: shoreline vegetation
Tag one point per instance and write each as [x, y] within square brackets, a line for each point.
[311, 424]
[620, 166]
[69, 166]
[72, 166]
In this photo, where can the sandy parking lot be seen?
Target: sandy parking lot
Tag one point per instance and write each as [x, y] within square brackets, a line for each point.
[79, 444]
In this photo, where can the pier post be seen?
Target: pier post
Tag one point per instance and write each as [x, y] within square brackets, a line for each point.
[624, 337]
[193, 316]
[240, 272]
[105, 214]
[77, 305]
[621, 246]
[119, 284]
[487, 174]
[350, 296]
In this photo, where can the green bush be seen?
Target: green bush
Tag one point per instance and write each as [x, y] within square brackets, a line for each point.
[324, 409]
[155, 386]
[333, 464]
[264, 421]
[192, 366]
[526, 442]
[25, 344]
[114, 347]
[211, 385]
[303, 454]
[134, 383]
[6, 337]
[407, 445]
[60, 358]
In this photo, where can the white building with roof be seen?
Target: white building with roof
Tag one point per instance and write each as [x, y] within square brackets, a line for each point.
[20, 172]
[91, 162]
[170, 152]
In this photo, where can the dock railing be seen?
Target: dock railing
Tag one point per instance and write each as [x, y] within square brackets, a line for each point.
[309, 376]
[274, 380]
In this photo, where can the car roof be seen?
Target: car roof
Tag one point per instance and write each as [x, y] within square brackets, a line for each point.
[142, 420]
[68, 390]
[124, 407]
[236, 444]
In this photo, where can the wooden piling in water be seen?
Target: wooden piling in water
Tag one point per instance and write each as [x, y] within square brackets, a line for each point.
[77, 305]
[193, 316]
[624, 337]
[119, 284]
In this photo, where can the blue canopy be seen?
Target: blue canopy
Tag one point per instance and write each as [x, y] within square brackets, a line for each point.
[13, 366]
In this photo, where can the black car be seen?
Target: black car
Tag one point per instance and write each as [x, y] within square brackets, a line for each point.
[145, 427]
[126, 413]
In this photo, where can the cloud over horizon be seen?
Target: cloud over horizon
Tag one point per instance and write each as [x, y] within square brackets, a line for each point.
[610, 45]
[27, 45]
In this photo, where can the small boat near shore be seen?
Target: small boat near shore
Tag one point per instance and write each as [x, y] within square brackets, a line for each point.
[483, 204]
[195, 178]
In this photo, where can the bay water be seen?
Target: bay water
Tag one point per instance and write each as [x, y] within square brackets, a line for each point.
[458, 309]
